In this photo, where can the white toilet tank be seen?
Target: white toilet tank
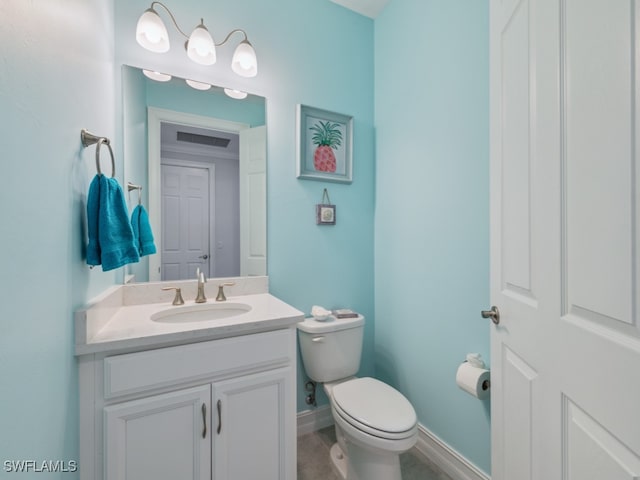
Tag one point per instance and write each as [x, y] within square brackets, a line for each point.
[331, 349]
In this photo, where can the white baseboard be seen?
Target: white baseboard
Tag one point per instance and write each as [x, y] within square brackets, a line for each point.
[311, 420]
[429, 445]
[447, 458]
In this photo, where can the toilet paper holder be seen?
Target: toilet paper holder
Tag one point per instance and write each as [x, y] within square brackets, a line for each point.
[486, 384]
[473, 377]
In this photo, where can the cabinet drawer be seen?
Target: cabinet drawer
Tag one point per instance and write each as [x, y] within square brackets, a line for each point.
[141, 371]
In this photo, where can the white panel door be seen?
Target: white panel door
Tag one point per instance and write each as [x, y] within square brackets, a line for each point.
[255, 427]
[185, 221]
[253, 210]
[164, 437]
[564, 239]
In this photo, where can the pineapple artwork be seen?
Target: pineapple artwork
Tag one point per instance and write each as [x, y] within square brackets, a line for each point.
[327, 137]
[323, 144]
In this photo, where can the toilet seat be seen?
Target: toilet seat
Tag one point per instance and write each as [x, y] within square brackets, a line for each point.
[374, 407]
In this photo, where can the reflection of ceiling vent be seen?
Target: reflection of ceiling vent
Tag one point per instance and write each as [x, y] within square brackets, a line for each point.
[203, 139]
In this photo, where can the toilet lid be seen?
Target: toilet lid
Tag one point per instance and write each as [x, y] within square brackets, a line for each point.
[375, 404]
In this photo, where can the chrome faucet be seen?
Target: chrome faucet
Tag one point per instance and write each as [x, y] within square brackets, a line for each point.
[200, 298]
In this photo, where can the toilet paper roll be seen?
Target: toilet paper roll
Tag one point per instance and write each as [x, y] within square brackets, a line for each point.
[473, 380]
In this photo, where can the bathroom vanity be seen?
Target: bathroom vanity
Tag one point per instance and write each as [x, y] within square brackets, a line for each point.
[187, 397]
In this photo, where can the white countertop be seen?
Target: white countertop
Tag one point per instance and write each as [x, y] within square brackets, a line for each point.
[112, 325]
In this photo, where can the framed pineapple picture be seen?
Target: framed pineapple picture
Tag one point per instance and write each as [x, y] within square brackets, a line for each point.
[324, 145]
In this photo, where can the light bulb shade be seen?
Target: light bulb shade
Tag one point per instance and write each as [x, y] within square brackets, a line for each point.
[157, 76]
[151, 32]
[244, 61]
[237, 94]
[198, 85]
[200, 47]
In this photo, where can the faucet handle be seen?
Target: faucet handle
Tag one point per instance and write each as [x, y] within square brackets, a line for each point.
[221, 297]
[177, 300]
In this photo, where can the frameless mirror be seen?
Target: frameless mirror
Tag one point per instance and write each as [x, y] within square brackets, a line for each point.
[199, 157]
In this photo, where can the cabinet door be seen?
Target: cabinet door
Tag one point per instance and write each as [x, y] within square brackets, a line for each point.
[254, 427]
[160, 437]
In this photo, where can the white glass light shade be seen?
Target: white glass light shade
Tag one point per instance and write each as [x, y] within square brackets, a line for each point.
[200, 47]
[157, 76]
[198, 85]
[237, 94]
[151, 32]
[244, 61]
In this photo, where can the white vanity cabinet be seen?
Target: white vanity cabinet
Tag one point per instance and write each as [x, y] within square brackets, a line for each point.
[221, 409]
[249, 435]
[161, 437]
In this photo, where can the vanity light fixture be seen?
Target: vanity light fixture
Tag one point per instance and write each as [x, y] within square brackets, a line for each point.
[151, 33]
[157, 76]
[237, 94]
[198, 85]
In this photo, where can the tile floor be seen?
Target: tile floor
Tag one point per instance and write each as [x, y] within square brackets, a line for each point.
[314, 462]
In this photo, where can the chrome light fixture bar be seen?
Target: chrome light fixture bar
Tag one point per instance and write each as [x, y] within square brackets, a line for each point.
[151, 33]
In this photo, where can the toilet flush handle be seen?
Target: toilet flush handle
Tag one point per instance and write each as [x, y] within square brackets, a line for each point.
[318, 339]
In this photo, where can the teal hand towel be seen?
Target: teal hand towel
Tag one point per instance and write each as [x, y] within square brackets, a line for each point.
[93, 207]
[143, 236]
[109, 223]
[115, 233]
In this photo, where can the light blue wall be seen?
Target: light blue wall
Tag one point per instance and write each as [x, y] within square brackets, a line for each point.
[56, 77]
[432, 210]
[60, 72]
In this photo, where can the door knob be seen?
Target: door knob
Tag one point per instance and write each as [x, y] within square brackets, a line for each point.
[204, 257]
[493, 314]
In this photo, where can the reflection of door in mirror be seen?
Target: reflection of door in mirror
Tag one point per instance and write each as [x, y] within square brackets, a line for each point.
[253, 192]
[211, 191]
[185, 220]
[199, 170]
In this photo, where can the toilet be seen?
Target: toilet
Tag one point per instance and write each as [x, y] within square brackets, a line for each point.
[374, 422]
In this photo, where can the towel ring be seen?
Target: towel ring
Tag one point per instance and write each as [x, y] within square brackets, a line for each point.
[106, 142]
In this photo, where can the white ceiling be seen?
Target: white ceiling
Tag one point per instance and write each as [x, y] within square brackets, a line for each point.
[368, 8]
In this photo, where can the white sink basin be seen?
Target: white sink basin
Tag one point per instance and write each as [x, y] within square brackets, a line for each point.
[203, 312]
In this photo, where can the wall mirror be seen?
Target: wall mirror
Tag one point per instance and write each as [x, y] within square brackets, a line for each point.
[199, 157]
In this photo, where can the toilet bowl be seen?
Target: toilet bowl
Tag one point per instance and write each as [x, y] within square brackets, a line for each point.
[374, 422]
